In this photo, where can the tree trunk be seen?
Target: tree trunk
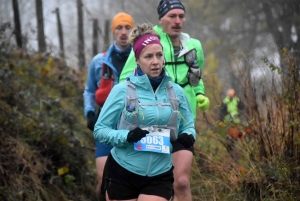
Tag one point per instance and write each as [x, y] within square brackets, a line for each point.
[60, 34]
[17, 30]
[123, 5]
[40, 26]
[106, 35]
[284, 18]
[95, 37]
[81, 57]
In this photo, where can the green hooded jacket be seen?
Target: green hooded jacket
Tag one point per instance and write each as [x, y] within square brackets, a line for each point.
[230, 109]
[177, 71]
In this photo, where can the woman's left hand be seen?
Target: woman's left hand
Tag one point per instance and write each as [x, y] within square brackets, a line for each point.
[187, 140]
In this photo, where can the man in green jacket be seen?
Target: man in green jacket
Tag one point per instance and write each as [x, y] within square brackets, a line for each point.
[184, 61]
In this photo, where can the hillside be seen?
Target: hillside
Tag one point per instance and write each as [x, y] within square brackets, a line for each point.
[46, 150]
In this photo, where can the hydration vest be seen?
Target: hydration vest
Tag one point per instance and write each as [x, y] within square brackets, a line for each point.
[194, 73]
[106, 84]
[129, 119]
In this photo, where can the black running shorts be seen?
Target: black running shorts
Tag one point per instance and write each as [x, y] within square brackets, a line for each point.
[122, 184]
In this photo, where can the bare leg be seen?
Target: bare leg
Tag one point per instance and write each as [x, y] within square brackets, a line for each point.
[182, 162]
[144, 197]
[100, 163]
[107, 198]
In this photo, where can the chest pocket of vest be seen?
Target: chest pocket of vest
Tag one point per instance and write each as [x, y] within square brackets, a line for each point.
[129, 118]
[194, 73]
[174, 120]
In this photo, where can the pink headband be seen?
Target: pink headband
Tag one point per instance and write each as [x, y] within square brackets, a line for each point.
[144, 41]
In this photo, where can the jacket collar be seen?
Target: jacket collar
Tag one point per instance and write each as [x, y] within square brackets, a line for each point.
[143, 81]
[184, 38]
[107, 58]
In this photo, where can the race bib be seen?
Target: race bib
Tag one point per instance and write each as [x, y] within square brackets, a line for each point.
[155, 141]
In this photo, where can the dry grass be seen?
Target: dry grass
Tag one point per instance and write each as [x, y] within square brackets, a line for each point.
[266, 163]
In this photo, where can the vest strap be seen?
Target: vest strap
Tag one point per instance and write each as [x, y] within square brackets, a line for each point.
[174, 62]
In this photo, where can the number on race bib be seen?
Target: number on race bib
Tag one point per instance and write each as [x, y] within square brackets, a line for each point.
[161, 140]
[153, 140]
[149, 139]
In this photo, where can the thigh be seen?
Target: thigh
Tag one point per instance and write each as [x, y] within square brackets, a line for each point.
[144, 197]
[100, 163]
[107, 199]
[182, 162]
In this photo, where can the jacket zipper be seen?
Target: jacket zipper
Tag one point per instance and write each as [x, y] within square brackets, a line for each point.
[149, 165]
[150, 160]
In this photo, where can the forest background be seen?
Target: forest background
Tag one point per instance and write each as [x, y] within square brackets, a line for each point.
[46, 151]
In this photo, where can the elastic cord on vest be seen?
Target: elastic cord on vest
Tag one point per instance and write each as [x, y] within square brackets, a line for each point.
[184, 85]
[174, 62]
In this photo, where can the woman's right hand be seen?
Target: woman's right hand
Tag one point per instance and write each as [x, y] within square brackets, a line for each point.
[136, 134]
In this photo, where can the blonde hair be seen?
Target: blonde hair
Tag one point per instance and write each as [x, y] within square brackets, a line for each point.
[140, 30]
